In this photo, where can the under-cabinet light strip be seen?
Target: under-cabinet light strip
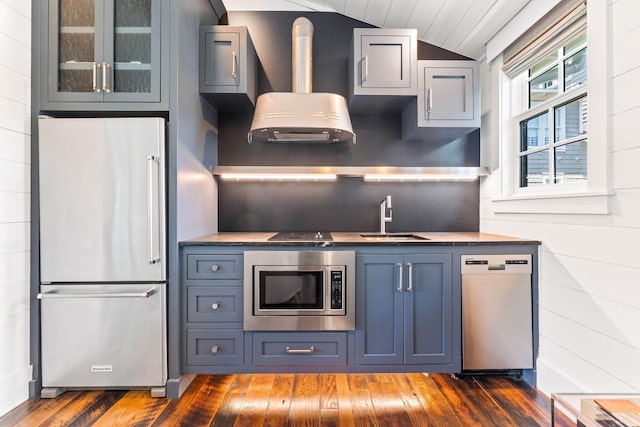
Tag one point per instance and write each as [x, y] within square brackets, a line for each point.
[419, 178]
[277, 177]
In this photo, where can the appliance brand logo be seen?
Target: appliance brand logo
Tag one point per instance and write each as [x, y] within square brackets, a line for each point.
[101, 368]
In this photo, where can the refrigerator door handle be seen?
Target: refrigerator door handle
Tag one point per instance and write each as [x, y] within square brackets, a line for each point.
[53, 295]
[152, 209]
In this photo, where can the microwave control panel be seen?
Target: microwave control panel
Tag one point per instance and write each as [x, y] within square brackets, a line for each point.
[336, 290]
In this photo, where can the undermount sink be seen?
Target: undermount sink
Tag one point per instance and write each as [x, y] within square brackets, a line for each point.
[392, 236]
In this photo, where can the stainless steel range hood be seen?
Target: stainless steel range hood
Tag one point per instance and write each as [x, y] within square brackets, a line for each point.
[300, 115]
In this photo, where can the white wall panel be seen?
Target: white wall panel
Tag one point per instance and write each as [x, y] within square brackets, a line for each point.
[596, 349]
[14, 116]
[15, 146]
[625, 129]
[624, 59]
[615, 283]
[624, 17]
[15, 237]
[14, 176]
[626, 165]
[15, 187]
[15, 24]
[16, 56]
[612, 319]
[569, 372]
[626, 91]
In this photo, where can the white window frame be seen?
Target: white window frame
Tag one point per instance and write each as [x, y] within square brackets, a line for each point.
[592, 196]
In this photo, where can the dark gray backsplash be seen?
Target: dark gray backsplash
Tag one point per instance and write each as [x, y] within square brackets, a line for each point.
[348, 204]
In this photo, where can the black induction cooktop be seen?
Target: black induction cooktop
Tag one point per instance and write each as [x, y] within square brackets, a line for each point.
[302, 236]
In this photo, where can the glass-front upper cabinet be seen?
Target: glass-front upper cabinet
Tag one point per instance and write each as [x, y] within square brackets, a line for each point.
[104, 50]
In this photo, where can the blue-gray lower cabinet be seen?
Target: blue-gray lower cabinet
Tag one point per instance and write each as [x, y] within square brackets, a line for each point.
[405, 309]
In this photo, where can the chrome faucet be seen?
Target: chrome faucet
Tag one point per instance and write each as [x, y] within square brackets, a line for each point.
[384, 205]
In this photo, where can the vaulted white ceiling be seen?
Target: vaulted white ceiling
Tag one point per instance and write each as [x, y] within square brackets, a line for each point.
[461, 26]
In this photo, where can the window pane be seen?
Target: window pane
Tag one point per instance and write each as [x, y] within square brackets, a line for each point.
[575, 43]
[538, 66]
[571, 119]
[534, 169]
[575, 69]
[534, 132]
[543, 87]
[571, 162]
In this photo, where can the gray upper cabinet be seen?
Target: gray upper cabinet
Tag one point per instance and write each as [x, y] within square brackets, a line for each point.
[228, 64]
[448, 101]
[100, 53]
[405, 310]
[382, 69]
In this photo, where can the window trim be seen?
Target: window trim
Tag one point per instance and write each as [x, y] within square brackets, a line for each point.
[593, 197]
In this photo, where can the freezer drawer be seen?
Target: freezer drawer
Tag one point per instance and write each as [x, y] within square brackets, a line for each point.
[103, 335]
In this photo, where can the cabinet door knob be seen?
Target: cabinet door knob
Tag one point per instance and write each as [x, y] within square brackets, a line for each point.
[215, 305]
[215, 267]
[215, 349]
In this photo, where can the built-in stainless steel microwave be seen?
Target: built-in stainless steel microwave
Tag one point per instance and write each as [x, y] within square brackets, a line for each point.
[299, 290]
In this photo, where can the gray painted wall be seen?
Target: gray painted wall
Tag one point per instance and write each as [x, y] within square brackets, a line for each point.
[348, 204]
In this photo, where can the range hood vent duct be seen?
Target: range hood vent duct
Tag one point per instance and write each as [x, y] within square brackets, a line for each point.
[301, 115]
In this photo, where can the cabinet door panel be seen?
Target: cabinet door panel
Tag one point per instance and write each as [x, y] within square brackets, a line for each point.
[379, 316]
[386, 61]
[75, 49]
[132, 51]
[449, 93]
[428, 310]
[221, 58]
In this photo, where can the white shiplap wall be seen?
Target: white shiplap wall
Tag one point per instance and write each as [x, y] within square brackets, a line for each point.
[15, 188]
[589, 264]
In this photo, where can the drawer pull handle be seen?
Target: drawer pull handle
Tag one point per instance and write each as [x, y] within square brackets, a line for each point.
[215, 267]
[215, 349]
[309, 350]
[215, 306]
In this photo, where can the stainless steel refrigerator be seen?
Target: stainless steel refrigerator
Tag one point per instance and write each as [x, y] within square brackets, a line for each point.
[102, 253]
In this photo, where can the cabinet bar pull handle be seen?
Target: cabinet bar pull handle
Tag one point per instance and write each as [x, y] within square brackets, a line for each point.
[234, 71]
[105, 83]
[215, 267]
[365, 66]
[151, 209]
[94, 67]
[290, 350]
[410, 278]
[429, 100]
[399, 288]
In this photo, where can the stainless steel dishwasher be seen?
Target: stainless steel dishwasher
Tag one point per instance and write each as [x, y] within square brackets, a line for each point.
[497, 332]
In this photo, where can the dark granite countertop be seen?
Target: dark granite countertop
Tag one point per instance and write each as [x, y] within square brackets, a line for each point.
[355, 239]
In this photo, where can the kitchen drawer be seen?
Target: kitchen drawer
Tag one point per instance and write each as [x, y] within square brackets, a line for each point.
[203, 266]
[299, 348]
[214, 347]
[214, 304]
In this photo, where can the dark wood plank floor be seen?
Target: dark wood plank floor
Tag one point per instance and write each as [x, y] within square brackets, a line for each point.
[304, 400]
